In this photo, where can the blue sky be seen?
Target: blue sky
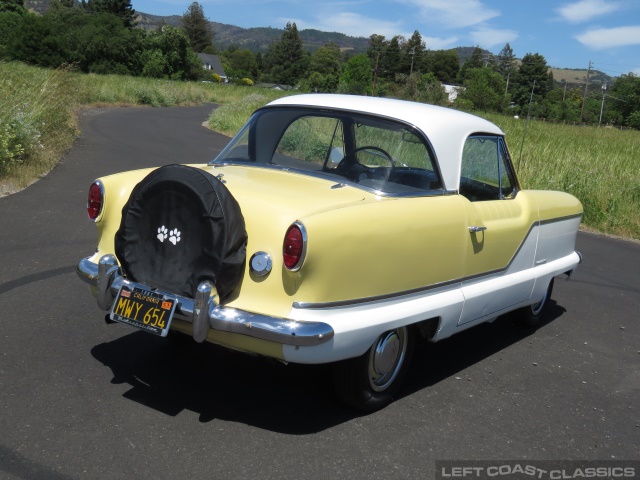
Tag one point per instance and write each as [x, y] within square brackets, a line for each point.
[568, 33]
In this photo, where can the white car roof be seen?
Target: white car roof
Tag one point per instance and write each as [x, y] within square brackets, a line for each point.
[446, 128]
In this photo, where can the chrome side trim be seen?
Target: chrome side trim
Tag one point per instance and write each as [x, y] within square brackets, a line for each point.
[560, 219]
[264, 327]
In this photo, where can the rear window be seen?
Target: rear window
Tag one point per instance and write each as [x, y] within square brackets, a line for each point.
[372, 153]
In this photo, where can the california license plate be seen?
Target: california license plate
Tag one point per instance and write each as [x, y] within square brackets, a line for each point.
[143, 308]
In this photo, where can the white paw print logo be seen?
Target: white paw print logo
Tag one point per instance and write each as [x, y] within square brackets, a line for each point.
[162, 233]
[174, 236]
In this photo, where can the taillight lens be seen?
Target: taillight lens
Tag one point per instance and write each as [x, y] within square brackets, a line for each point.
[294, 247]
[94, 202]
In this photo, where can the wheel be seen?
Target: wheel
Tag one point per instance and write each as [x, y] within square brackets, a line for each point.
[181, 226]
[346, 165]
[532, 315]
[369, 382]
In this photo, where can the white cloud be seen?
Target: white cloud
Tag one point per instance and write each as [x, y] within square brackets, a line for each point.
[352, 24]
[452, 13]
[585, 10]
[434, 43]
[603, 38]
[490, 37]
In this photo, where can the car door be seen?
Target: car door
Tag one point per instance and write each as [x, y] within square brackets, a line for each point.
[500, 244]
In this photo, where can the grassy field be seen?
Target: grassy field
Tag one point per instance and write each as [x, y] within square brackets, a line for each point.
[600, 166]
[38, 123]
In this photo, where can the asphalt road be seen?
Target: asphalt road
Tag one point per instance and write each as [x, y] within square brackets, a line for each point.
[82, 399]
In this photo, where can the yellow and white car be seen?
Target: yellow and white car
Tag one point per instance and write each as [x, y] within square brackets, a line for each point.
[333, 229]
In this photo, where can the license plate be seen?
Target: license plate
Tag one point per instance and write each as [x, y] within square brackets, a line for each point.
[142, 308]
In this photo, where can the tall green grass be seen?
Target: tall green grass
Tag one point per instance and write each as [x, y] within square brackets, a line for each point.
[600, 166]
[37, 123]
[236, 110]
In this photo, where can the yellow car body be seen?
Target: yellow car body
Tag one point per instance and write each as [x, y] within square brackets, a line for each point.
[439, 259]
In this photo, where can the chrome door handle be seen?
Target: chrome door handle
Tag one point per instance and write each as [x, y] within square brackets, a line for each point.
[477, 229]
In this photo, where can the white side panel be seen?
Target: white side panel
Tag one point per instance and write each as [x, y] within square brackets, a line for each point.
[357, 327]
[485, 296]
[557, 240]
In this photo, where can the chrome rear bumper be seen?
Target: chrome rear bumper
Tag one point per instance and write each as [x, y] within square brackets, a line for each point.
[203, 312]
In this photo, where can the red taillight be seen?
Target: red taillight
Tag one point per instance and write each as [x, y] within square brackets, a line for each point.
[294, 247]
[94, 202]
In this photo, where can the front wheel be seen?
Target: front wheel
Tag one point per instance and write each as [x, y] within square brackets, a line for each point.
[369, 382]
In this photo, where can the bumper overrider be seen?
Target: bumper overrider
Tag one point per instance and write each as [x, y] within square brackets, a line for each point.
[204, 312]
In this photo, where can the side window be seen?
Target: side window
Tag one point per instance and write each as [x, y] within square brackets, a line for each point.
[309, 142]
[486, 170]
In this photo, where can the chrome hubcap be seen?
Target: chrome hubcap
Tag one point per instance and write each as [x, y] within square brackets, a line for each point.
[386, 358]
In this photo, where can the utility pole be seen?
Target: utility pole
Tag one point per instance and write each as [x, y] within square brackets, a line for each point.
[506, 89]
[604, 90]
[564, 95]
[413, 54]
[586, 91]
[375, 75]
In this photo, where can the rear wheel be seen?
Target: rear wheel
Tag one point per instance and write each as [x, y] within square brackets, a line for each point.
[370, 382]
[532, 315]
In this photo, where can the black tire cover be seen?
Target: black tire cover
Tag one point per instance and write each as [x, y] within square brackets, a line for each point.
[182, 226]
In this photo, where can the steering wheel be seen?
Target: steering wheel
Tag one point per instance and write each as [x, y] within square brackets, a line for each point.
[349, 160]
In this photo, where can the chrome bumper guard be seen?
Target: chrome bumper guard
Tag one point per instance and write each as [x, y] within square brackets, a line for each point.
[203, 312]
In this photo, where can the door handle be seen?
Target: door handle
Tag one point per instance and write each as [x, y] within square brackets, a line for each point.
[477, 229]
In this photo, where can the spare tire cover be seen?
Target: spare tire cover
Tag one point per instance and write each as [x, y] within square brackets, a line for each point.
[182, 226]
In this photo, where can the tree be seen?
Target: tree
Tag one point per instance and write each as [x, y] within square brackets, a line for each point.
[356, 77]
[241, 64]
[16, 6]
[414, 50]
[197, 27]
[286, 60]
[167, 54]
[533, 68]
[506, 62]
[422, 88]
[473, 62]
[625, 99]
[119, 8]
[10, 23]
[57, 4]
[324, 70]
[444, 64]
[389, 63]
[485, 89]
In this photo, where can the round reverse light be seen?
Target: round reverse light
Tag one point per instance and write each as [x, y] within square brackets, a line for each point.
[95, 200]
[260, 264]
[294, 247]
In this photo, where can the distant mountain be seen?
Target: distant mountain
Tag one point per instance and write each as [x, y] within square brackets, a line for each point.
[578, 77]
[259, 39]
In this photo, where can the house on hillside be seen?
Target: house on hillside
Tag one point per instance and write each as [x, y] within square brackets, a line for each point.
[274, 86]
[452, 91]
[213, 64]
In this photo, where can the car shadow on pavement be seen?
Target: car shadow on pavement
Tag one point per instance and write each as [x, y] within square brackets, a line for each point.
[434, 362]
[174, 374]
